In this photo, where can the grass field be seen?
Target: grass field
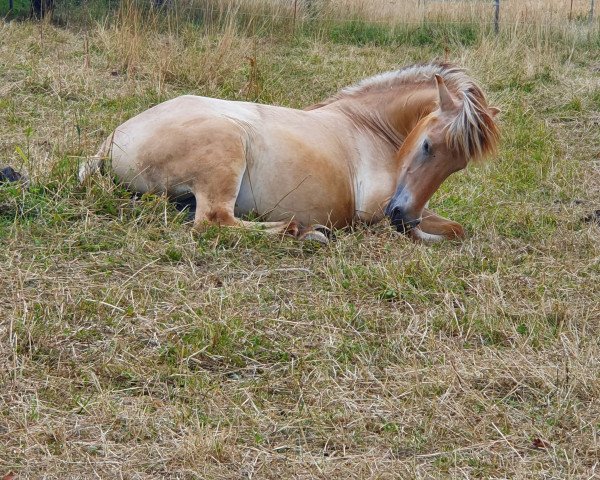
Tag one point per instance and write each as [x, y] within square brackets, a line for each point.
[131, 348]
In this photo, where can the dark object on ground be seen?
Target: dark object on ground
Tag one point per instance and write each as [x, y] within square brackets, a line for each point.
[187, 204]
[593, 217]
[9, 174]
[41, 8]
[182, 204]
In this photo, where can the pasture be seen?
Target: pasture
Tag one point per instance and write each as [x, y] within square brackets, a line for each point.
[132, 348]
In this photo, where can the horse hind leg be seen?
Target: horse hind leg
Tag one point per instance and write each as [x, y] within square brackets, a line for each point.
[290, 228]
[208, 212]
[215, 203]
[218, 170]
[211, 212]
[318, 233]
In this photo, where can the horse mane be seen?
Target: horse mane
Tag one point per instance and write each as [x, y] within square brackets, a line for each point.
[473, 132]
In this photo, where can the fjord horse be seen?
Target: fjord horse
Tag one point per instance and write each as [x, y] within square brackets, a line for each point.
[379, 148]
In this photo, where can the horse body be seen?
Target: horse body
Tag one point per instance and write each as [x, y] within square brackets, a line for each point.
[313, 166]
[356, 156]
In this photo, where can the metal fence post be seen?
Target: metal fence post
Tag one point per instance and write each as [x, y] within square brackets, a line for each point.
[497, 16]
[10, 4]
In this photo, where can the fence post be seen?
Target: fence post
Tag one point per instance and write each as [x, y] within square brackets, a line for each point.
[592, 11]
[497, 16]
[294, 20]
[571, 11]
[10, 5]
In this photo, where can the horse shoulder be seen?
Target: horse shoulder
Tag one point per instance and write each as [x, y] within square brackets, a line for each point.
[375, 179]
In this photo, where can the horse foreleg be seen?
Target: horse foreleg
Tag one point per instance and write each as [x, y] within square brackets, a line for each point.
[290, 228]
[434, 228]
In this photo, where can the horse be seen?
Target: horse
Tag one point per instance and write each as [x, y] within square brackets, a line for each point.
[377, 149]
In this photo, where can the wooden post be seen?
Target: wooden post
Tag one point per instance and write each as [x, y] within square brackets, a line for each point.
[592, 11]
[41, 8]
[497, 16]
[571, 11]
[294, 20]
[311, 11]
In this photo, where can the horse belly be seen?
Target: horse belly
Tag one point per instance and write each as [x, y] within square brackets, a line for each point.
[308, 189]
[245, 202]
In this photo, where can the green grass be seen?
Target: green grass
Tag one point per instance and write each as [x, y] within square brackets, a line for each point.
[437, 35]
[132, 347]
[20, 8]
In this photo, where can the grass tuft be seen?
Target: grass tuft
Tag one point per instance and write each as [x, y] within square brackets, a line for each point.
[131, 347]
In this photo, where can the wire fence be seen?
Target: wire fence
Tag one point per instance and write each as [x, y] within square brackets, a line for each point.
[387, 11]
[495, 13]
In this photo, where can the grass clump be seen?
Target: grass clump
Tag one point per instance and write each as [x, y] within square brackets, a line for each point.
[438, 36]
[132, 347]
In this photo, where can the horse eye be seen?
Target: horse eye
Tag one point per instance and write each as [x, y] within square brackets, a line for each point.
[426, 147]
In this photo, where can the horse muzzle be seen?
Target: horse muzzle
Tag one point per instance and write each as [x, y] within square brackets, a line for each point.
[402, 221]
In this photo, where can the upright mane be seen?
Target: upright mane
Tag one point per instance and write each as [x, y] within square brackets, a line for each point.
[473, 132]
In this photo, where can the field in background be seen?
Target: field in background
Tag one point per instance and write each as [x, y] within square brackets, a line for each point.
[130, 348]
[406, 11]
[512, 12]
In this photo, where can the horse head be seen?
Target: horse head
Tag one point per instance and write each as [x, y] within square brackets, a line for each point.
[460, 130]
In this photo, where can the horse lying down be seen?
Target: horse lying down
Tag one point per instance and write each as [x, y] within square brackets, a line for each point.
[379, 148]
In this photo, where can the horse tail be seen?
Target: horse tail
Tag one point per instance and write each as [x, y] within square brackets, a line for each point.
[94, 164]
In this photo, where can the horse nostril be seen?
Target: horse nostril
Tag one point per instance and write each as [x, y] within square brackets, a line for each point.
[402, 220]
[403, 225]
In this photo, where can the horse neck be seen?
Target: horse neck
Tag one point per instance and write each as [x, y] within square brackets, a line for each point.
[392, 113]
[404, 109]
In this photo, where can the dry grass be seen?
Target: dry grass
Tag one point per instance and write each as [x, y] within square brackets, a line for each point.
[131, 349]
[407, 11]
[529, 11]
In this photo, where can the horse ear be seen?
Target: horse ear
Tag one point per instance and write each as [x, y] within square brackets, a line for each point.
[493, 111]
[446, 100]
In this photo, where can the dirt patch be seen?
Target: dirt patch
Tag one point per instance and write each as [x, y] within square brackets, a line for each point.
[593, 217]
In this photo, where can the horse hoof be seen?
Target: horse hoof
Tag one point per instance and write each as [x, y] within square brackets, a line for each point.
[328, 232]
[292, 229]
[314, 235]
[419, 236]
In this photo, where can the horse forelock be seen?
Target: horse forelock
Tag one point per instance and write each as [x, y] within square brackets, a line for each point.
[473, 132]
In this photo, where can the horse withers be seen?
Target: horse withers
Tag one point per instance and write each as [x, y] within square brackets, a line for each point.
[379, 148]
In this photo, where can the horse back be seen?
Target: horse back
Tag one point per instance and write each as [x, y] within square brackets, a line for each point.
[284, 162]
